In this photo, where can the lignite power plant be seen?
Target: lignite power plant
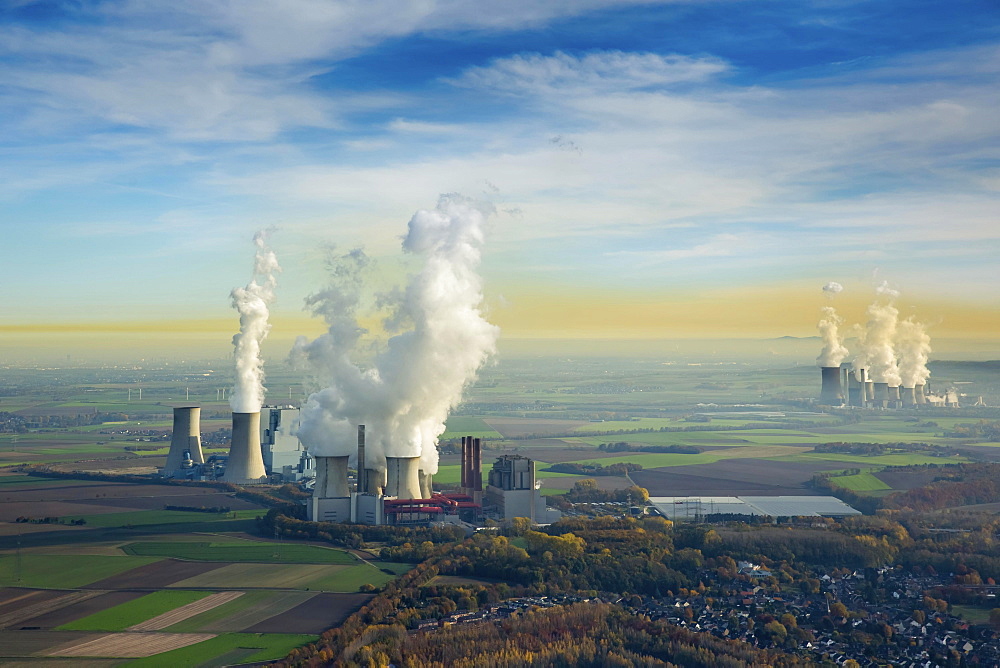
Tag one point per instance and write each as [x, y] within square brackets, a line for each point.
[889, 369]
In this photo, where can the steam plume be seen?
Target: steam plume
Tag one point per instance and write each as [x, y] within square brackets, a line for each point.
[914, 346]
[405, 396]
[833, 352]
[877, 352]
[252, 304]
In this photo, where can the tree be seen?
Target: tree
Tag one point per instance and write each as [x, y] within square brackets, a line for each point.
[995, 618]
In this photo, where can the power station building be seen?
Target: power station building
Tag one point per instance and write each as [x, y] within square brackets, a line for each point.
[403, 494]
[282, 450]
[846, 386]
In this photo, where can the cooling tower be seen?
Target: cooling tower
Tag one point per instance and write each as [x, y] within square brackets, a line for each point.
[186, 437]
[894, 396]
[403, 477]
[426, 488]
[907, 397]
[870, 391]
[246, 465]
[831, 393]
[374, 481]
[918, 390]
[331, 478]
[855, 391]
[881, 395]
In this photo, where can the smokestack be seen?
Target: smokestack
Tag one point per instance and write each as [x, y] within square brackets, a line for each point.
[186, 437]
[465, 464]
[477, 463]
[918, 390]
[831, 393]
[403, 477]
[908, 397]
[246, 464]
[331, 478]
[362, 471]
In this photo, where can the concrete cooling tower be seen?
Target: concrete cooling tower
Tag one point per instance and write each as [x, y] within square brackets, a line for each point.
[246, 464]
[331, 478]
[831, 392]
[881, 397]
[908, 397]
[403, 477]
[185, 444]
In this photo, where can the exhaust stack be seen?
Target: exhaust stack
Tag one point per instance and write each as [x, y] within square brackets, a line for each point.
[246, 464]
[831, 392]
[186, 438]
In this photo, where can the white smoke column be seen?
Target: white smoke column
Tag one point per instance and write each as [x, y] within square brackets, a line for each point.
[877, 352]
[252, 304]
[834, 351]
[914, 345]
[405, 398]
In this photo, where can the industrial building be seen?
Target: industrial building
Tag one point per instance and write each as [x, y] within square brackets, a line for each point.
[696, 508]
[846, 386]
[260, 451]
[403, 494]
[282, 450]
[513, 492]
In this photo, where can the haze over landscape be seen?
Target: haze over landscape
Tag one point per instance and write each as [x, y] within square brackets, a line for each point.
[657, 170]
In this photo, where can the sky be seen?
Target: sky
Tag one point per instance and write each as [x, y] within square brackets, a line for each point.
[657, 169]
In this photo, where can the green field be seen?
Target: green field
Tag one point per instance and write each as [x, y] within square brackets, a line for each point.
[860, 482]
[134, 612]
[56, 571]
[228, 649]
[460, 425]
[153, 517]
[265, 603]
[244, 551]
[311, 577]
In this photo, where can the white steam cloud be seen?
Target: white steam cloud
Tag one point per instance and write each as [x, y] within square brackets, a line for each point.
[834, 351]
[252, 304]
[877, 352]
[405, 396]
[914, 345]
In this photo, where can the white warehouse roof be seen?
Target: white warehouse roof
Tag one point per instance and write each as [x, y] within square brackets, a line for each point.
[690, 507]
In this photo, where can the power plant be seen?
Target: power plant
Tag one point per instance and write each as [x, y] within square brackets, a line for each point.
[246, 462]
[185, 443]
[846, 386]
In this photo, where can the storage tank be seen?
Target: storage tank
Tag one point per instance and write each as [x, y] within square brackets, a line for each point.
[246, 464]
[402, 476]
[186, 438]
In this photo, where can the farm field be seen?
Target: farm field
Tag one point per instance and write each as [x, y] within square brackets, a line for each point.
[133, 612]
[238, 551]
[48, 571]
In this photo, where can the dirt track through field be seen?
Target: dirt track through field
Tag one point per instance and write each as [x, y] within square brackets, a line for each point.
[130, 645]
[186, 611]
[25, 612]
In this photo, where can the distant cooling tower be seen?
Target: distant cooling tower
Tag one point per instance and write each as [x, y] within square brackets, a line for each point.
[186, 438]
[831, 393]
[869, 391]
[246, 465]
[907, 397]
[374, 482]
[331, 478]
[403, 477]
[426, 485]
[918, 390]
[894, 396]
[881, 395]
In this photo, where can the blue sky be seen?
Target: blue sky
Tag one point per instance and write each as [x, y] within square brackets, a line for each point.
[632, 150]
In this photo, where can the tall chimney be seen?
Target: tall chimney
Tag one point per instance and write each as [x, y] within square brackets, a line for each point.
[362, 477]
[246, 465]
[831, 392]
[465, 464]
[186, 437]
[477, 463]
